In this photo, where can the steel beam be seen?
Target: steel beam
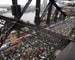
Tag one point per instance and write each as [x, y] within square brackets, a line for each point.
[14, 2]
[53, 1]
[37, 14]
[55, 15]
[49, 13]
[25, 7]
[44, 12]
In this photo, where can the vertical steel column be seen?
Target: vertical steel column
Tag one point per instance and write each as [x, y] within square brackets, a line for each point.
[37, 14]
[63, 17]
[14, 6]
[14, 2]
[60, 16]
[49, 13]
[55, 15]
[16, 9]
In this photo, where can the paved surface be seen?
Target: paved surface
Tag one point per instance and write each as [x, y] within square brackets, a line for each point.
[68, 53]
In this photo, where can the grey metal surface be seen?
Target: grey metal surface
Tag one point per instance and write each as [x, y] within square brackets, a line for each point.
[68, 53]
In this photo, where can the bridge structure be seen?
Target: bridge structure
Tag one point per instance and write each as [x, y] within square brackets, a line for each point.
[59, 15]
